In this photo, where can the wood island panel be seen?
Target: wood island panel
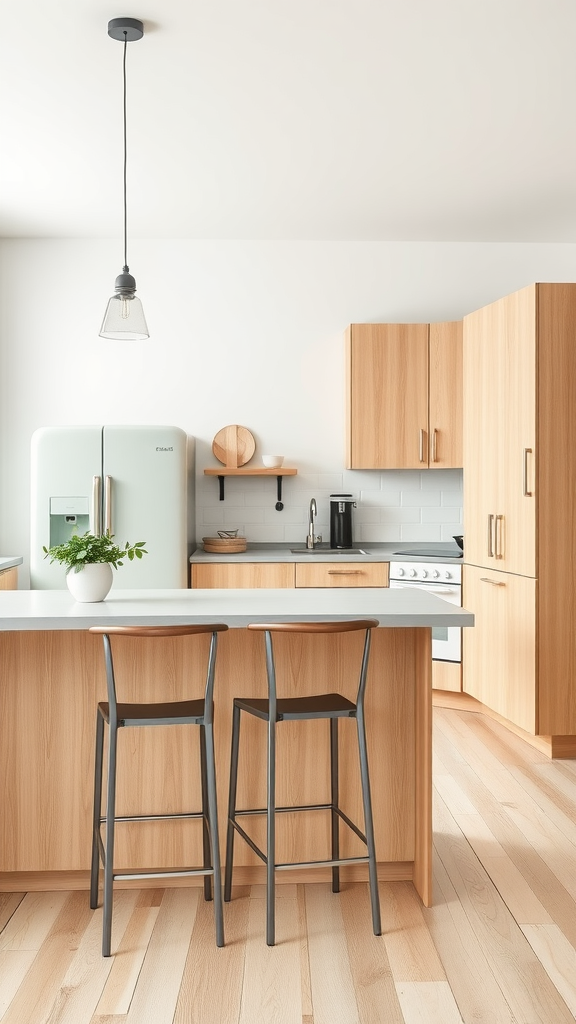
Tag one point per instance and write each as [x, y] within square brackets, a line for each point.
[51, 682]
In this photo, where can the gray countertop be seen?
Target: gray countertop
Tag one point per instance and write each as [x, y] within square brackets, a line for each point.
[57, 609]
[374, 553]
[8, 563]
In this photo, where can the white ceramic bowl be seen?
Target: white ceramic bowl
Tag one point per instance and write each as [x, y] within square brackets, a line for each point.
[272, 461]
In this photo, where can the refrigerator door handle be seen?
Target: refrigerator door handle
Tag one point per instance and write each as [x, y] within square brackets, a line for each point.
[108, 505]
[95, 525]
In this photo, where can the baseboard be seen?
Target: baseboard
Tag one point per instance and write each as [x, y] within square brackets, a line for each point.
[51, 881]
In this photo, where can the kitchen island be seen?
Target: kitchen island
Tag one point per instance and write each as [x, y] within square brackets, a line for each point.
[52, 676]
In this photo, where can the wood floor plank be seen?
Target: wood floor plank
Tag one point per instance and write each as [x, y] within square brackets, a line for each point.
[305, 981]
[428, 1002]
[212, 980]
[333, 995]
[130, 952]
[558, 957]
[34, 1000]
[409, 946]
[9, 902]
[14, 966]
[270, 998]
[477, 993]
[374, 985]
[529, 991]
[32, 920]
[156, 994]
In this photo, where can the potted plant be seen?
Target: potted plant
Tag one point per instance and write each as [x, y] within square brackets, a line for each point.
[89, 561]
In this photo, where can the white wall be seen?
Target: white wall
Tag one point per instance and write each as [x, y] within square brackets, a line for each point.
[241, 332]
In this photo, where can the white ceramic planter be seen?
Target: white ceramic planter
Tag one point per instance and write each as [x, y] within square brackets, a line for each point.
[92, 583]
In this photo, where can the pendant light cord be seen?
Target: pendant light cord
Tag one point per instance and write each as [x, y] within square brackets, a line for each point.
[126, 268]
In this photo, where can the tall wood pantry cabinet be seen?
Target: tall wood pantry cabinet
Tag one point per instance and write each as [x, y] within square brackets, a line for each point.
[519, 372]
[404, 396]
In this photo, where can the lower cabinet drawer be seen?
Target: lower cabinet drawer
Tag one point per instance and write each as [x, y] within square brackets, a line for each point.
[342, 574]
[258, 575]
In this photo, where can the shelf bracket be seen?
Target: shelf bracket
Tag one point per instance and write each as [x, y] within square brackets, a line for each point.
[279, 506]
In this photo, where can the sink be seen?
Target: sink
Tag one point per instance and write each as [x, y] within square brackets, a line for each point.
[321, 550]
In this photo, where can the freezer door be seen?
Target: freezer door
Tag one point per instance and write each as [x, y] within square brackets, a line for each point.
[145, 473]
[66, 463]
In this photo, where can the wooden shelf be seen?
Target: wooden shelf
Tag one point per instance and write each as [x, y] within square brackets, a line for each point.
[249, 471]
[279, 472]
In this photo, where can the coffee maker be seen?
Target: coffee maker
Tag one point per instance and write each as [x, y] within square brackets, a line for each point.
[341, 506]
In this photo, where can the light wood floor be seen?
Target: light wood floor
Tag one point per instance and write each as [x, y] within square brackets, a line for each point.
[497, 947]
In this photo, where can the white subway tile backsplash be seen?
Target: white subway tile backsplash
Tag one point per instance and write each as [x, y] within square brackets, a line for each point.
[393, 505]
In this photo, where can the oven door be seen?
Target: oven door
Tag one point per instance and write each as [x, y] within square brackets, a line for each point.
[446, 640]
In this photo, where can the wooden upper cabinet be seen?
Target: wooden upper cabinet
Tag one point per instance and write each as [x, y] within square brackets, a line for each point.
[404, 403]
[500, 434]
[445, 395]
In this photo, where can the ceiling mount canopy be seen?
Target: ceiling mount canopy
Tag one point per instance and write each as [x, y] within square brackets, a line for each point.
[124, 318]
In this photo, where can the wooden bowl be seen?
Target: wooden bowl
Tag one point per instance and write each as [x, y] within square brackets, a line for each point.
[226, 545]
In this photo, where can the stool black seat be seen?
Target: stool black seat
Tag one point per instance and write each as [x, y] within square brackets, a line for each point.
[273, 710]
[118, 715]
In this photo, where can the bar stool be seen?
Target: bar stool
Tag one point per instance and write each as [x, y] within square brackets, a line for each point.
[118, 715]
[274, 709]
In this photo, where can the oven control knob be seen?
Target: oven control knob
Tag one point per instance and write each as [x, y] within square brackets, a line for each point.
[424, 573]
[400, 572]
[413, 572]
[436, 574]
[448, 575]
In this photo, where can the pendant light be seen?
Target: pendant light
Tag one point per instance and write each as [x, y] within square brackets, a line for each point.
[124, 318]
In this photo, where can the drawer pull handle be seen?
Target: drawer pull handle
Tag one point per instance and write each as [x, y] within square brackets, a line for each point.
[495, 583]
[345, 572]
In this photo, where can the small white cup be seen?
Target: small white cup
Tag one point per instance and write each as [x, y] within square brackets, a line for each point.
[272, 461]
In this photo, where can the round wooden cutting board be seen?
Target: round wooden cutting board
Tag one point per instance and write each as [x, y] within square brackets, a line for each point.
[234, 446]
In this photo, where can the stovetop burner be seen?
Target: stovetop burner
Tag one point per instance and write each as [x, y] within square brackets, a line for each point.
[426, 551]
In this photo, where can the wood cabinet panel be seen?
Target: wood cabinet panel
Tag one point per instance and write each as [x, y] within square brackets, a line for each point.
[404, 396]
[388, 395]
[258, 575]
[9, 579]
[499, 652]
[445, 395]
[52, 681]
[337, 574]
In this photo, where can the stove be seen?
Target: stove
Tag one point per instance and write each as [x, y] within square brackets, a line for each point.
[443, 579]
[432, 551]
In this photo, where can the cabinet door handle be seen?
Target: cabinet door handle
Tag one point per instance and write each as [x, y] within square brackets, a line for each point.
[421, 445]
[490, 536]
[498, 532]
[495, 583]
[344, 572]
[525, 491]
[434, 444]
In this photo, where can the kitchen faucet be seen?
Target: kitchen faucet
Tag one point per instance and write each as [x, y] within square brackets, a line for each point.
[313, 511]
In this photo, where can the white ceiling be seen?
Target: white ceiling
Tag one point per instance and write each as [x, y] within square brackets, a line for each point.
[406, 120]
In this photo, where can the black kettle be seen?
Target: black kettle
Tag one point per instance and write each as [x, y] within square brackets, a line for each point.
[341, 506]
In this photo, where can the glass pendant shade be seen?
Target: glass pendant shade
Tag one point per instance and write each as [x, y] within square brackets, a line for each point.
[124, 320]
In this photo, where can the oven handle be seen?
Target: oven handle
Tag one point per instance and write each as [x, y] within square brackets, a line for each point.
[404, 584]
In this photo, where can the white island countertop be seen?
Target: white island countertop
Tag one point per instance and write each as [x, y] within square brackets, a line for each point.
[57, 609]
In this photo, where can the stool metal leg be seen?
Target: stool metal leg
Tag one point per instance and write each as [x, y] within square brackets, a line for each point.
[98, 760]
[369, 823]
[207, 862]
[232, 803]
[109, 846]
[271, 835]
[334, 797]
[213, 819]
